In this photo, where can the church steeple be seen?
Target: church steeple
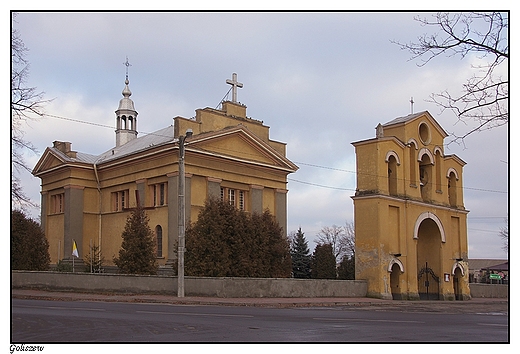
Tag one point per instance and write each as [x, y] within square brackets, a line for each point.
[126, 115]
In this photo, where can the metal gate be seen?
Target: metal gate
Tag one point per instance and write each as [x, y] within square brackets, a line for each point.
[428, 283]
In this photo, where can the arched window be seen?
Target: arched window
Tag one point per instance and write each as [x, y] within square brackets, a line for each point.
[158, 237]
[425, 174]
[412, 144]
[452, 187]
[438, 173]
[392, 174]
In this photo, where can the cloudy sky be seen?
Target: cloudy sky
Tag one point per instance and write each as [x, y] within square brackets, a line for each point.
[320, 81]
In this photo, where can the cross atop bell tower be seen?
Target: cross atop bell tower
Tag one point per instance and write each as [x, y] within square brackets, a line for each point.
[234, 83]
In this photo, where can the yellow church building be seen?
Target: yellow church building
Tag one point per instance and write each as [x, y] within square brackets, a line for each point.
[409, 215]
[87, 198]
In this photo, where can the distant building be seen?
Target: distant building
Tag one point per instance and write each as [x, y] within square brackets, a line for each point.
[481, 269]
[87, 198]
[409, 215]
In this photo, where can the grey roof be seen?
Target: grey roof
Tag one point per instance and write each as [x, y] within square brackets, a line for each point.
[159, 137]
[478, 264]
[80, 156]
[404, 119]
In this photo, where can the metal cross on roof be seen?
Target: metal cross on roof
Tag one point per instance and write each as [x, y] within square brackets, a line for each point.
[127, 64]
[411, 103]
[234, 82]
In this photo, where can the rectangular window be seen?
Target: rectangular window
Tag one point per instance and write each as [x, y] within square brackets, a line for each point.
[56, 206]
[231, 197]
[120, 200]
[159, 194]
[235, 197]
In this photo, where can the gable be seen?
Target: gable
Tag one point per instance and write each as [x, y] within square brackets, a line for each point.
[240, 144]
[47, 161]
[51, 160]
[419, 126]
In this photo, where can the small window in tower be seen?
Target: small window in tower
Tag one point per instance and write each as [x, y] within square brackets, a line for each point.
[424, 133]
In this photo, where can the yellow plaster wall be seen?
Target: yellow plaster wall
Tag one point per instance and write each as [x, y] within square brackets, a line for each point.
[385, 224]
[54, 231]
[156, 165]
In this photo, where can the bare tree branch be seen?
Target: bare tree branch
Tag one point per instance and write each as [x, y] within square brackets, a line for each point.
[484, 98]
[340, 237]
[25, 102]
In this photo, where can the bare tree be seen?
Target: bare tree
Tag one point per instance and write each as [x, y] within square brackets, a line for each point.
[504, 235]
[484, 98]
[26, 102]
[341, 238]
[350, 239]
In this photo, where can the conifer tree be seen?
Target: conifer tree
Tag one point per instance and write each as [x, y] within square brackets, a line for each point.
[29, 246]
[300, 255]
[226, 242]
[207, 241]
[137, 254]
[278, 249]
[94, 259]
[346, 269]
[323, 264]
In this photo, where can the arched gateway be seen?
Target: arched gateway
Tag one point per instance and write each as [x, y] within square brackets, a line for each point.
[409, 215]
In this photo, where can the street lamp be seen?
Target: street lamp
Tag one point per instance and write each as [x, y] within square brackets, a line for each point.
[181, 215]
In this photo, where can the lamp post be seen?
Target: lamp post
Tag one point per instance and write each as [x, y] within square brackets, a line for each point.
[181, 215]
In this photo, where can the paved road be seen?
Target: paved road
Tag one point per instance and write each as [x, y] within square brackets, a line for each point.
[43, 321]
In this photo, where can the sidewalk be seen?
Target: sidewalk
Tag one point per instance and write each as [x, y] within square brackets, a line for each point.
[475, 305]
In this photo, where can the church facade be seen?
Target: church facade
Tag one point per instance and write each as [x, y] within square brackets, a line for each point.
[409, 215]
[227, 155]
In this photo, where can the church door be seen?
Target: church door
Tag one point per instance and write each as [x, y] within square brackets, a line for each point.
[394, 282]
[428, 260]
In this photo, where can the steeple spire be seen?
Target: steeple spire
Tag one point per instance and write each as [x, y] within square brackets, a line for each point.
[126, 115]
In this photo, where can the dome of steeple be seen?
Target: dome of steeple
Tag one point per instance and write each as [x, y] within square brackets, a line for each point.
[126, 103]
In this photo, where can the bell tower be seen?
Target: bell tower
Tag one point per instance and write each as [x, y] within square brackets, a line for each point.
[409, 214]
[126, 115]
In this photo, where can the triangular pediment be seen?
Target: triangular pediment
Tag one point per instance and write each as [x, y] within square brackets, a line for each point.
[240, 144]
[419, 126]
[409, 119]
[47, 161]
[52, 159]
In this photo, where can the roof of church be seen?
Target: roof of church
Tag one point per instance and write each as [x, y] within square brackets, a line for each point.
[159, 137]
[80, 156]
[410, 117]
[404, 119]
